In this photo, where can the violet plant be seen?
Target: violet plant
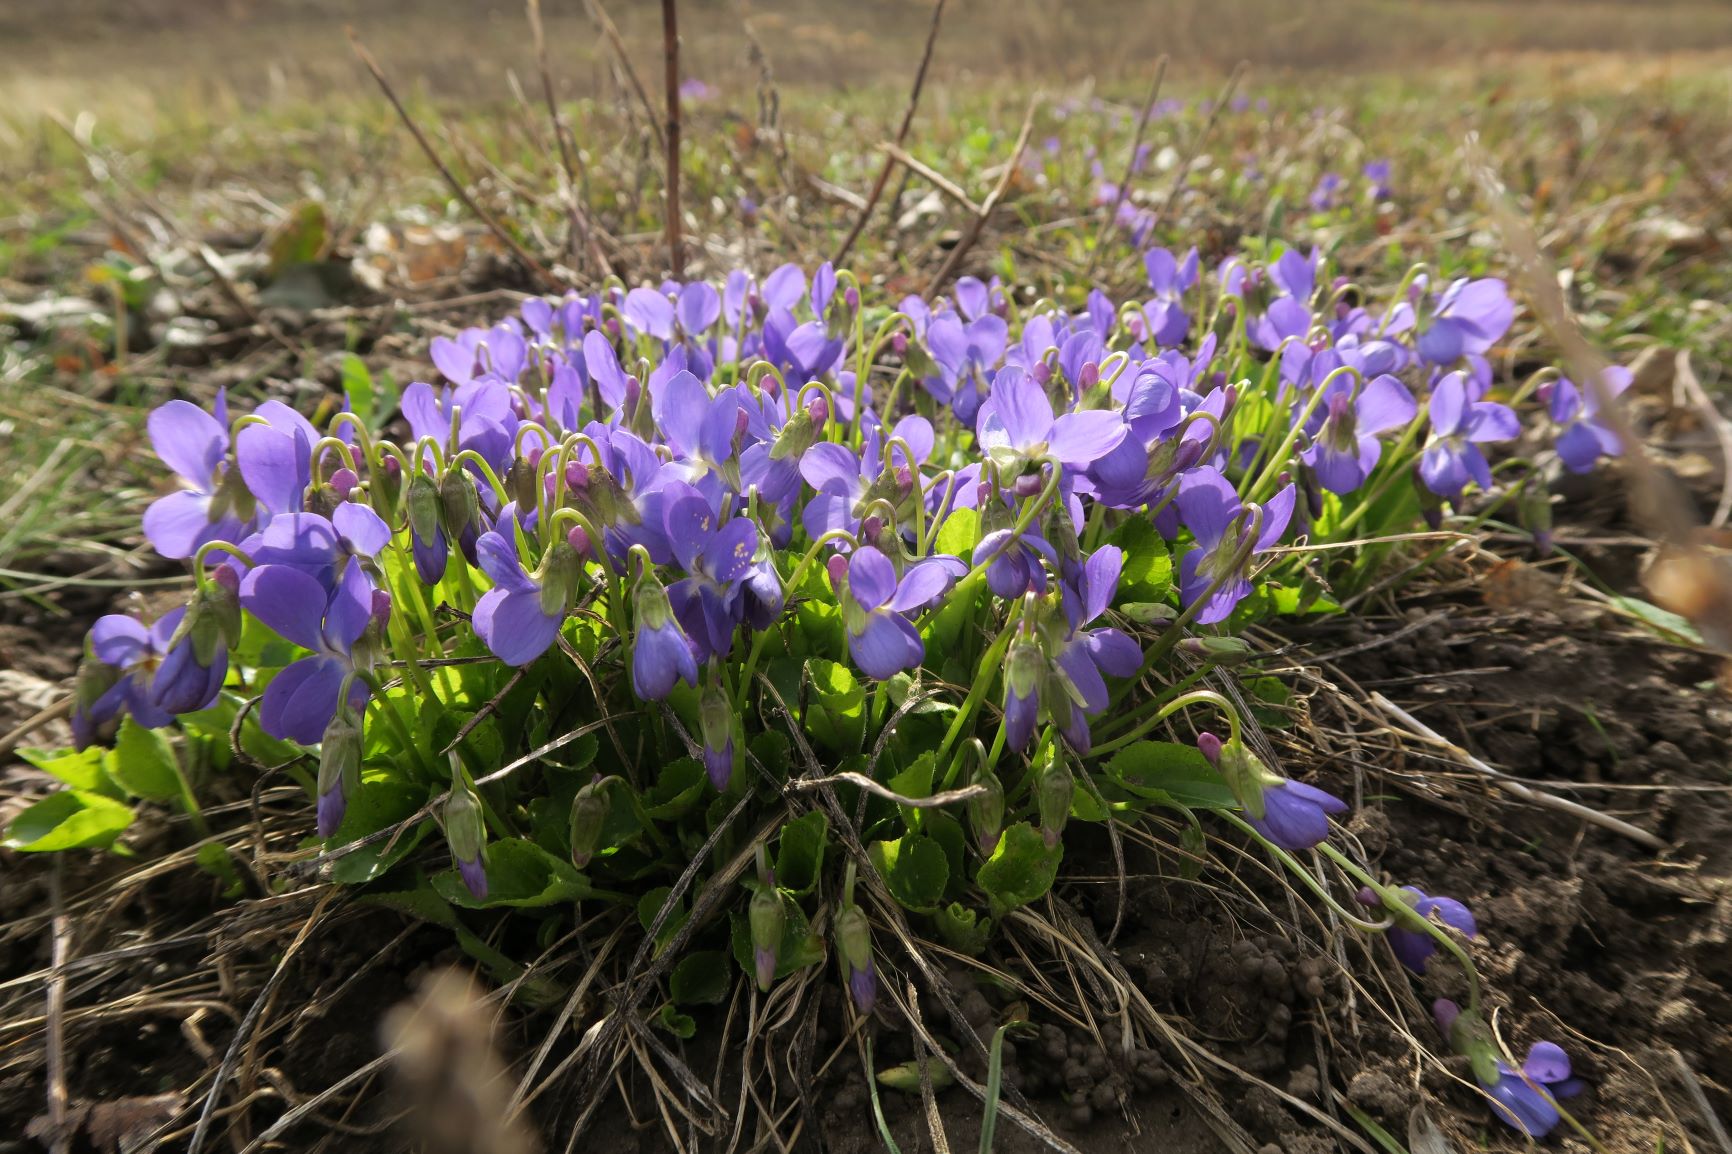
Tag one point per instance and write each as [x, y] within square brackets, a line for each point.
[641, 561]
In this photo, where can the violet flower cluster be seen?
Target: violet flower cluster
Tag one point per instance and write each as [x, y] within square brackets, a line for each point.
[666, 489]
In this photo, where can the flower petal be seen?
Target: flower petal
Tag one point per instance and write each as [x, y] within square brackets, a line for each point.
[301, 700]
[288, 600]
[189, 441]
[871, 577]
[1547, 1062]
[512, 625]
[363, 530]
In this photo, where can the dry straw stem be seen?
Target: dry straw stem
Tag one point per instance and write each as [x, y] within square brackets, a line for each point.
[1515, 788]
[582, 226]
[1684, 577]
[877, 192]
[611, 33]
[529, 263]
[1124, 189]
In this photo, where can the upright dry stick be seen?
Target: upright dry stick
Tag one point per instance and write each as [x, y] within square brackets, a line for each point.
[582, 228]
[60, 1138]
[1124, 189]
[901, 136]
[671, 138]
[530, 264]
[605, 22]
[972, 234]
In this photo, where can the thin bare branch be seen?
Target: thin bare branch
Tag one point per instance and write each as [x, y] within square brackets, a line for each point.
[901, 136]
[1124, 189]
[608, 30]
[671, 135]
[530, 264]
[972, 233]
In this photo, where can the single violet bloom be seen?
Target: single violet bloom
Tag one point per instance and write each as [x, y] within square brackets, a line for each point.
[1459, 426]
[1527, 1099]
[881, 639]
[300, 701]
[194, 445]
[1467, 319]
[1583, 435]
[1228, 534]
[1017, 427]
[1345, 447]
[1415, 947]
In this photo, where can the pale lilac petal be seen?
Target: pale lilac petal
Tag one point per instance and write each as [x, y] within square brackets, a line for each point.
[1449, 405]
[917, 432]
[680, 411]
[871, 577]
[924, 583]
[699, 307]
[1385, 403]
[830, 467]
[455, 361]
[1490, 421]
[512, 625]
[1546, 1063]
[650, 312]
[276, 466]
[1080, 439]
[117, 639]
[603, 365]
[1207, 504]
[301, 700]
[1080, 669]
[363, 530]
[288, 600]
[497, 557]
[886, 646]
[1277, 512]
[178, 524]
[971, 297]
[1115, 652]
[1101, 580]
[350, 610]
[783, 288]
[189, 441]
[420, 407]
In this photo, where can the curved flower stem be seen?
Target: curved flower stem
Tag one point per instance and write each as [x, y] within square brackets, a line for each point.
[471, 457]
[1194, 697]
[1297, 426]
[1413, 273]
[1389, 896]
[990, 662]
[363, 435]
[342, 449]
[199, 574]
[1118, 721]
[762, 636]
[1298, 870]
[1023, 521]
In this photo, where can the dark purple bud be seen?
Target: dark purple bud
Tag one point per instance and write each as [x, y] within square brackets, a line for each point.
[817, 408]
[1134, 326]
[576, 476]
[1042, 373]
[899, 343]
[851, 296]
[741, 422]
[344, 480]
[578, 538]
[227, 577]
[381, 610]
[871, 528]
[837, 567]
[611, 327]
[771, 387]
[1210, 747]
[1027, 485]
[1089, 377]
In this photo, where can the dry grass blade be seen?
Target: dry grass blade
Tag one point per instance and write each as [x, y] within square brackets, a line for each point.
[623, 59]
[1515, 788]
[60, 1135]
[935, 801]
[582, 226]
[1684, 578]
[1685, 375]
[896, 153]
[883, 179]
[529, 263]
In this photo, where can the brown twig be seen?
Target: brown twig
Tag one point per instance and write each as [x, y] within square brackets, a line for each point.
[582, 228]
[1685, 375]
[605, 22]
[1124, 189]
[972, 233]
[671, 137]
[530, 264]
[901, 136]
[938, 180]
[60, 1137]
[1199, 140]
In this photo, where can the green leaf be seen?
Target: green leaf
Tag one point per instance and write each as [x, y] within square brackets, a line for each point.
[836, 705]
[650, 906]
[1271, 694]
[1148, 569]
[1662, 620]
[519, 873]
[213, 858]
[80, 770]
[916, 869]
[143, 763]
[959, 534]
[377, 804]
[1021, 869]
[700, 978]
[358, 388]
[681, 784]
[300, 238]
[70, 819]
[963, 929]
[680, 1025]
[800, 852]
[1171, 774]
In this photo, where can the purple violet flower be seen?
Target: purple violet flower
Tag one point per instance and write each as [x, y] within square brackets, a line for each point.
[301, 699]
[1583, 437]
[716, 553]
[152, 676]
[881, 639]
[1018, 428]
[1414, 947]
[1526, 1099]
[1467, 319]
[661, 653]
[1345, 447]
[1223, 528]
[194, 445]
[1459, 426]
[1169, 280]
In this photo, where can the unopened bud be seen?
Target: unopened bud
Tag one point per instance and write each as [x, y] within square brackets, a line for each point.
[854, 944]
[1218, 650]
[343, 482]
[459, 504]
[386, 487]
[716, 720]
[1054, 792]
[589, 810]
[1210, 747]
[767, 919]
[423, 507]
[1150, 612]
[339, 767]
[466, 833]
[1536, 514]
[986, 811]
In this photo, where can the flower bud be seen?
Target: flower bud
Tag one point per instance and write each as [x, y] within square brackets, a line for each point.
[1218, 650]
[799, 434]
[854, 944]
[1150, 612]
[459, 504]
[520, 481]
[1246, 775]
[986, 812]
[1536, 513]
[1210, 747]
[767, 919]
[423, 507]
[1053, 793]
[1469, 1036]
[589, 810]
[716, 720]
[559, 574]
[466, 833]
[385, 486]
[339, 767]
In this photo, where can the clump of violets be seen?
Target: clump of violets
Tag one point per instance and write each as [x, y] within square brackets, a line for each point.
[633, 560]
